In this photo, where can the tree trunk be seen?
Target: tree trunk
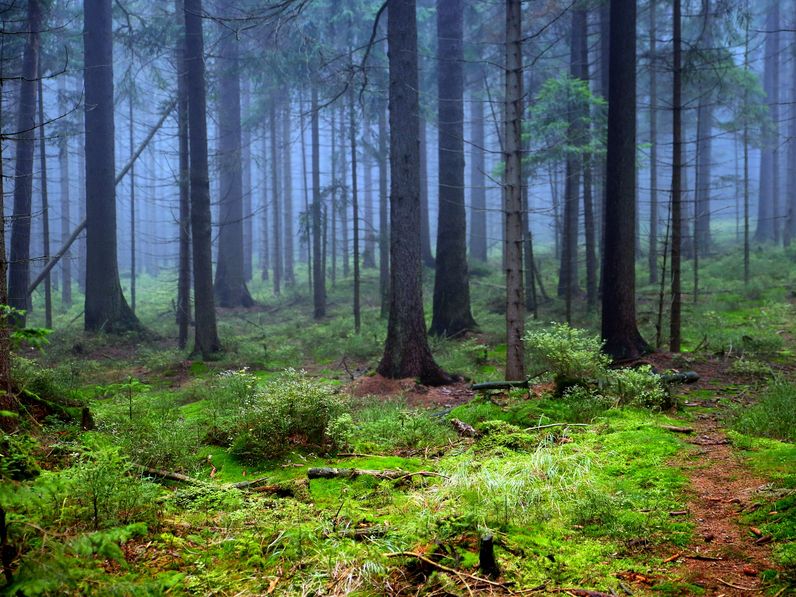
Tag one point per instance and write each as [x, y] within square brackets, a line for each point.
[652, 254]
[587, 168]
[767, 199]
[425, 228]
[45, 207]
[369, 255]
[515, 300]
[677, 167]
[206, 334]
[276, 221]
[452, 314]
[790, 207]
[384, 223]
[406, 350]
[19, 267]
[478, 230]
[246, 160]
[318, 277]
[230, 284]
[133, 271]
[337, 183]
[287, 198]
[704, 162]
[265, 247]
[184, 266]
[63, 166]
[622, 338]
[105, 309]
[7, 400]
[354, 204]
[343, 204]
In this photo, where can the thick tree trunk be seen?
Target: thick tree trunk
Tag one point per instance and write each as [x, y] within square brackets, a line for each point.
[184, 266]
[318, 277]
[515, 300]
[478, 229]
[619, 330]
[206, 336]
[105, 308]
[230, 283]
[287, 198]
[63, 166]
[19, 267]
[677, 168]
[406, 350]
[452, 314]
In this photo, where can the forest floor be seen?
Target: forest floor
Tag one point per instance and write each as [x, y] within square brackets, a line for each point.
[200, 477]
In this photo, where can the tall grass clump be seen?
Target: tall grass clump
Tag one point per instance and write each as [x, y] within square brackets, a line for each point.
[773, 416]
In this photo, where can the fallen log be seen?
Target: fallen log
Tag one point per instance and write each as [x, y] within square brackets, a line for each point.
[549, 425]
[500, 385]
[675, 429]
[168, 475]
[353, 473]
[686, 377]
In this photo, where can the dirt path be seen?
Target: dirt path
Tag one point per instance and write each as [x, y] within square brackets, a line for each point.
[722, 487]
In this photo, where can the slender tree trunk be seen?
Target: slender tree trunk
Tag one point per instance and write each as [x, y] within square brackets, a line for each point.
[276, 221]
[105, 308]
[369, 255]
[265, 247]
[63, 166]
[452, 315]
[318, 282]
[246, 163]
[652, 254]
[406, 350]
[337, 183]
[184, 267]
[307, 211]
[587, 166]
[767, 198]
[354, 204]
[384, 232]
[790, 208]
[206, 334]
[619, 329]
[132, 206]
[19, 267]
[45, 207]
[478, 229]
[515, 300]
[7, 400]
[81, 210]
[287, 198]
[677, 167]
[343, 205]
[425, 228]
[704, 161]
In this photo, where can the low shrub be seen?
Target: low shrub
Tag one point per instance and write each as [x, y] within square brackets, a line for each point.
[774, 414]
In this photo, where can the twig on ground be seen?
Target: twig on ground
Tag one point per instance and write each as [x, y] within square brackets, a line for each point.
[548, 426]
[738, 587]
[438, 566]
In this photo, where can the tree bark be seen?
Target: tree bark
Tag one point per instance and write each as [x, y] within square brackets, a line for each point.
[19, 266]
[704, 162]
[515, 300]
[452, 315]
[425, 228]
[652, 254]
[230, 283]
[45, 207]
[184, 266]
[354, 205]
[384, 222]
[478, 229]
[206, 333]
[265, 247]
[677, 167]
[767, 200]
[287, 198]
[318, 277]
[63, 162]
[406, 350]
[246, 159]
[105, 307]
[619, 330]
[276, 221]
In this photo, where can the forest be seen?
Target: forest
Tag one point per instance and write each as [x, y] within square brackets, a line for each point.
[398, 297]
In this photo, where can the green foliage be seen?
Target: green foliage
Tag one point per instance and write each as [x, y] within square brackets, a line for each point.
[17, 457]
[751, 369]
[584, 405]
[292, 410]
[774, 414]
[104, 490]
[391, 426]
[574, 356]
[638, 387]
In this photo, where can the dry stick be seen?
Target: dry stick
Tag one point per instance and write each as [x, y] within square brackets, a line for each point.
[82, 226]
[556, 425]
[430, 562]
[740, 588]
